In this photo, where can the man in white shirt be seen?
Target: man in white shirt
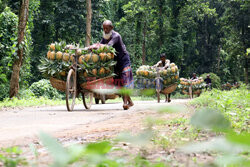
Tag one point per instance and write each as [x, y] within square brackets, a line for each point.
[164, 63]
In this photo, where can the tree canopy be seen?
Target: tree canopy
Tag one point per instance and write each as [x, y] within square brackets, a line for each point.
[199, 36]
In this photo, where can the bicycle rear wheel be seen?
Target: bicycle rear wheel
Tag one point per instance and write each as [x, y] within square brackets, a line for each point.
[71, 90]
[87, 98]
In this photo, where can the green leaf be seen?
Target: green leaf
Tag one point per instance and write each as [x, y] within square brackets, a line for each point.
[210, 119]
[125, 91]
[149, 92]
[248, 51]
[172, 109]
[98, 148]
[60, 155]
[139, 140]
[219, 144]
[242, 138]
[232, 160]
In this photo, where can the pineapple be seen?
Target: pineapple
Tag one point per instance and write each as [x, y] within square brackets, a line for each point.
[81, 59]
[63, 73]
[87, 58]
[103, 56]
[48, 54]
[66, 57]
[95, 58]
[165, 72]
[85, 74]
[59, 55]
[94, 71]
[145, 73]
[52, 55]
[172, 65]
[101, 71]
[53, 46]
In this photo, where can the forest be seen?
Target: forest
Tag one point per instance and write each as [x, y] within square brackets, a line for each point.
[201, 36]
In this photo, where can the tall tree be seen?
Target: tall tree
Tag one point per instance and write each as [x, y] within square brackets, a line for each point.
[88, 22]
[23, 18]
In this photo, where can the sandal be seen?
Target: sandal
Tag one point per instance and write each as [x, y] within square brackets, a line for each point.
[125, 106]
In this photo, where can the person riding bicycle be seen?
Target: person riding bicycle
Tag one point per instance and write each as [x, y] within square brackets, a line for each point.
[164, 63]
[194, 76]
[208, 82]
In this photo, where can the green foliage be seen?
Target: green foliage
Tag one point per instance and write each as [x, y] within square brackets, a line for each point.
[25, 101]
[8, 48]
[200, 36]
[233, 104]
[139, 140]
[4, 85]
[216, 82]
[11, 157]
[53, 68]
[8, 51]
[210, 119]
[92, 153]
[231, 147]
[56, 20]
[44, 88]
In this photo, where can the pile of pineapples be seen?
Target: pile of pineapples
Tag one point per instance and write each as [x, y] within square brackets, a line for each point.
[98, 62]
[196, 83]
[146, 75]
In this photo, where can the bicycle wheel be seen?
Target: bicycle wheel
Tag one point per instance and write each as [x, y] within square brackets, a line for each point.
[97, 101]
[87, 98]
[103, 99]
[71, 90]
[158, 97]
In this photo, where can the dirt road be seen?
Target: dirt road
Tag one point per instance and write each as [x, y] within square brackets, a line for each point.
[21, 126]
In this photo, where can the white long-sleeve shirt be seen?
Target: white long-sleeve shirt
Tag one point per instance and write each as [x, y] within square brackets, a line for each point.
[160, 64]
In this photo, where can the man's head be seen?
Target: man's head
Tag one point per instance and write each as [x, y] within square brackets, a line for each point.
[107, 29]
[163, 57]
[194, 74]
[208, 75]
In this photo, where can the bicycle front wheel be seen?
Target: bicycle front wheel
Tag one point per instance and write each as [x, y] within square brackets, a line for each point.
[71, 90]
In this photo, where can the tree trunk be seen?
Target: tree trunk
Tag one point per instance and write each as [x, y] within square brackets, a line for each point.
[246, 70]
[88, 22]
[218, 58]
[243, 36]
[144, 43]
[160, 23]
[23, 18]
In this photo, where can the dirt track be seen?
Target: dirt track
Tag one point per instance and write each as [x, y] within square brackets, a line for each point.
[21, 126]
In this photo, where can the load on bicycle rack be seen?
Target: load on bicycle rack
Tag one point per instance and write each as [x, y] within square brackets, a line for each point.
[76, 71]
[164, 81]
[192, 87]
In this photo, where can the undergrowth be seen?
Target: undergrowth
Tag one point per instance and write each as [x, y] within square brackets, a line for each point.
[233, 104]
